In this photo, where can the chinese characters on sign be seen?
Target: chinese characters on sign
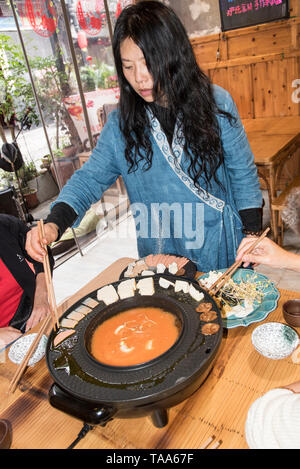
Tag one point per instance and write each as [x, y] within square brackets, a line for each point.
[251, 5]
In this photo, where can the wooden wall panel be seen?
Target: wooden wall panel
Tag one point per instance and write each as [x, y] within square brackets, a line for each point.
[257, 65]
[260, 41]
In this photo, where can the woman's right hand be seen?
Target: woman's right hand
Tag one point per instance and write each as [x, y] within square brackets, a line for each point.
[267, 253]
[33, 244]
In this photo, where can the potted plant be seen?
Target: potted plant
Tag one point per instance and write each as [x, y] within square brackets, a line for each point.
[27, 173]
[16, 96]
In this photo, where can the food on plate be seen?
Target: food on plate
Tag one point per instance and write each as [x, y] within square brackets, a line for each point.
[61, 336]
[126, 289]
[83, 309]
[90, 302]
[203, 307]
[160, 268]
[237, 298]
[157, 263]
[182, 285]
[145, 286]
[210, 328]
[173, 268]
[134, 336]
[107, 294]
[196, 294]
[76, 316]
[68, 323]
[164, 283]
[208, 316]
[180, 272]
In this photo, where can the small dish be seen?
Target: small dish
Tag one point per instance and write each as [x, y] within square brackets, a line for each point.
[262, 309]
[19, 349]
[275, 340]
[291, 312]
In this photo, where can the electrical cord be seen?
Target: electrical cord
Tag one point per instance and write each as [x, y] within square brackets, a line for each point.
[85, 429]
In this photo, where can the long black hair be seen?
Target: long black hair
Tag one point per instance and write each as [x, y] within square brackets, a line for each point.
[169, 56]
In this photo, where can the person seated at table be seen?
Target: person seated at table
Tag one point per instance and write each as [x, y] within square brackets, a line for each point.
[268, 252]
[178, 143]
[23, 291]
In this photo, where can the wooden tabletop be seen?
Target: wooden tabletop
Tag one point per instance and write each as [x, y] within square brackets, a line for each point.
[240, 375]
[270, 137]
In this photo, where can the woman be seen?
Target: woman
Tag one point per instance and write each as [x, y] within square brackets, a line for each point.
[23, 291]
[179, 145]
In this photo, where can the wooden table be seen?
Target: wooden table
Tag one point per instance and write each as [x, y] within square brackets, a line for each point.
[240, 375]
[273, 141]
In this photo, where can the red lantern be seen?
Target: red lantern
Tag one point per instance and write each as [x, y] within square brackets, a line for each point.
[118, 9]
[82, 40]
[88, 13]
[42, 16]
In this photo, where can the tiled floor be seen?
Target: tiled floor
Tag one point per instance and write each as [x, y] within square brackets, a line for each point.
[121, 242]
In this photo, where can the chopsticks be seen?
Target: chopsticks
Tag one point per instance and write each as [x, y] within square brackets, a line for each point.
[53, 315]
[21, 368]
[213, 290]
[49, 284]
[208, 442]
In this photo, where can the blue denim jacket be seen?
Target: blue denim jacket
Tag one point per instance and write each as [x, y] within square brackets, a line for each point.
[171, 214]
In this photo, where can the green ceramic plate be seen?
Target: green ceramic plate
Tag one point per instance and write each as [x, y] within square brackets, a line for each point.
[262, 309]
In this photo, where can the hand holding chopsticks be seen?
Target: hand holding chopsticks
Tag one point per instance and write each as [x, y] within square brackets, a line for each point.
[213, 290]
[47, 270]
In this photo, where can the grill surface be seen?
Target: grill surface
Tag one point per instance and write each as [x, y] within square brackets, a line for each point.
[79, 374]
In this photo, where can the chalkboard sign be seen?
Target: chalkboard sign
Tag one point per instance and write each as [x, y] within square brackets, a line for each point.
[241, 13]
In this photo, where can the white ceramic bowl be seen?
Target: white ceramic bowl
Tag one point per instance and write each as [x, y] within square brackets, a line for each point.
[19, 349]
[275, 340]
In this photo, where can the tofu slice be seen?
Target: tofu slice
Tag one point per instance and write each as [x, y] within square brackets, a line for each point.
[173, 268]
[181, 285]
[164, 283]
[146, 286]
[126, 289]
[160, 268]
[108, 294]
[195, 294]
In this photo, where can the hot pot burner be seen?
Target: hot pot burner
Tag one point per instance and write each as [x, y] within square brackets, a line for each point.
[95, 393]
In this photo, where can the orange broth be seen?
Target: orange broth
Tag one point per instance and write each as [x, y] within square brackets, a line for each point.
[134, 336]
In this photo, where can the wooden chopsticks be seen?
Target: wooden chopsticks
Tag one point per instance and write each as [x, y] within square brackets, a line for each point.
[213, 290]
[53, 316]
[21, 368]
[208, 442]
[47, 270]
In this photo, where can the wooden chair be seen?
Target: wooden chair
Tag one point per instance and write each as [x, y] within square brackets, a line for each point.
[279, 203]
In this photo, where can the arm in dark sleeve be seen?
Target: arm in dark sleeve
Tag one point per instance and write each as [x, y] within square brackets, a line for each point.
[252, 219]
[63, 216]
